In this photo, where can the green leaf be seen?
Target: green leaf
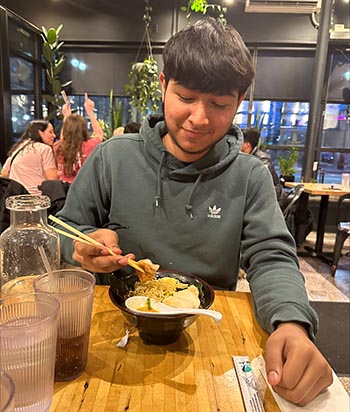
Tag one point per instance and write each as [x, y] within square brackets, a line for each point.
[59, 28]
[49, 98]
[48, 54]
[67, 84]
[56, 87]
[59, 45]
[60, 101]
[51, 115]
[58, 68]
[48, 75]
[51, 36]
[44, 31]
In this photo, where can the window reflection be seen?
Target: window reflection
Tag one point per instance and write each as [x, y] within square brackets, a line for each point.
[21, 39]
[336, 130]
[285, 123]
[22, 111]
[22, 74]
[103, 110]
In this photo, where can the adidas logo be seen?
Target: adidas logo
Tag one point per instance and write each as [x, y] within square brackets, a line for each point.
[214, 212]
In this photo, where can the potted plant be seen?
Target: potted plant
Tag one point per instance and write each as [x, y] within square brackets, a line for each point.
[143, 87]
[287, 163]
[54, 62]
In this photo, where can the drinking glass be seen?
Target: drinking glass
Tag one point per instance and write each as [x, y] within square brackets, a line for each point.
[28, 335]
[7, 392]
[74, 288]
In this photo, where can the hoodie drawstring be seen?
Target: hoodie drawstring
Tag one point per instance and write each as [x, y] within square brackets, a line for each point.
[158, 196]
[188, 206]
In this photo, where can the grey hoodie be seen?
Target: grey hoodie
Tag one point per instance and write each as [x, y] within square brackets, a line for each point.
[200, 218]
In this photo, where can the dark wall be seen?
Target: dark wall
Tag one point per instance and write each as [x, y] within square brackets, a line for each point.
[121, 20]
[111, 20]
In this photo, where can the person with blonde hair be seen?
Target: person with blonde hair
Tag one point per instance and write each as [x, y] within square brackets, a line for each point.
[75, 144]
[31, 160]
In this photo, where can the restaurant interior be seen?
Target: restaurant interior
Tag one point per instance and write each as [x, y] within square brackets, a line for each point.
[300, 99]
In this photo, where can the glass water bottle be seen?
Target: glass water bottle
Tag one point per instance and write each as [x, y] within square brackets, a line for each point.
[20, 258]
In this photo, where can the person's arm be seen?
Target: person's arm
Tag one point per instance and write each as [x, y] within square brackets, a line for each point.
[89, 106]
[5, 171]
[51, 174]
[48, 163]
[295, 367]
[85, 209]
[66, 111]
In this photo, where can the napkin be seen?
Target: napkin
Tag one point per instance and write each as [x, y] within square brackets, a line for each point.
[124, 340]
[335, 398]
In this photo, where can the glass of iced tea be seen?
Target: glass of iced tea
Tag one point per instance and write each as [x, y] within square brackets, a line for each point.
[74, 288]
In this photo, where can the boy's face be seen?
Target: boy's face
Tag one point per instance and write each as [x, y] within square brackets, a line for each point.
[195, 120]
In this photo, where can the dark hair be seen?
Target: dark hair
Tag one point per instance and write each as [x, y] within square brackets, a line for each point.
[252, 136]
[210, 57]
[31, 134]
[74, 132]
[132, 127]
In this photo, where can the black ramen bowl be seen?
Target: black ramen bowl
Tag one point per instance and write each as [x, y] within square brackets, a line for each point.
[158, 330]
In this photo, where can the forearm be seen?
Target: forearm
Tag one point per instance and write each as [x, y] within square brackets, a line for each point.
[96, 127]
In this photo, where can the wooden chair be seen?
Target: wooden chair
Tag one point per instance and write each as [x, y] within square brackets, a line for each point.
[343, 230]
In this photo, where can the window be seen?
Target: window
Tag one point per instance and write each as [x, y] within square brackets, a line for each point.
[22, 74]
[21, 40]
[284, 75]
[22, 108]
[283, 124]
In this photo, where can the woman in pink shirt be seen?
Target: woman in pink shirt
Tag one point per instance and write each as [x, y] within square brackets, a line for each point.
[31, 160]
[75, 144]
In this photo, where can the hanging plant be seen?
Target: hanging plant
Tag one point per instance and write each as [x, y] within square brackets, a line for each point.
[54, 62]
[143, 87]
[202, 6]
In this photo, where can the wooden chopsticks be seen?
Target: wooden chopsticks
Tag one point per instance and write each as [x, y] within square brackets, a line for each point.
[82, 237]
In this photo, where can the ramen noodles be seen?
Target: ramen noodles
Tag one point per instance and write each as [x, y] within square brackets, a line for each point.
[169, 291]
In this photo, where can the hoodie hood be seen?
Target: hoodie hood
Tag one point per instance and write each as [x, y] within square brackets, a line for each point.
[220, 156]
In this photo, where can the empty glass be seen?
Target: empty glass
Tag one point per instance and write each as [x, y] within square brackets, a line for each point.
[7, 392]
[28, 335]
[74, 288]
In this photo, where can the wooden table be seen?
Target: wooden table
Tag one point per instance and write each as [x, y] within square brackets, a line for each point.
[324, 190]
[194, 374]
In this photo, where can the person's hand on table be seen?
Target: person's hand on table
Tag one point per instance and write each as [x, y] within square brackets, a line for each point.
[295, 368]
[97, 258]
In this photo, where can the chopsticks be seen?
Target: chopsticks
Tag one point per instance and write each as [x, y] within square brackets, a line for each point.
[82, 237]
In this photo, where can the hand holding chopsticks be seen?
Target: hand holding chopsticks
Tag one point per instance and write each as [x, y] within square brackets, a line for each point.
[82, 237]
